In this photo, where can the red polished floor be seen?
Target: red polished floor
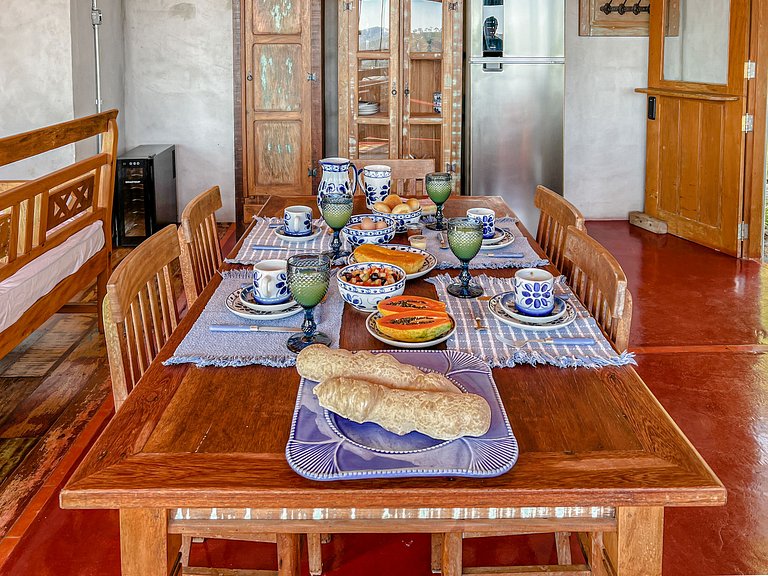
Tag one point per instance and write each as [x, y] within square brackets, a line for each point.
[685, 297]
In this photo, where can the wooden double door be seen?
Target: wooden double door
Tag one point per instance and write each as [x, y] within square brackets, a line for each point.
[699, 76]
[281, 106]
[400, 80]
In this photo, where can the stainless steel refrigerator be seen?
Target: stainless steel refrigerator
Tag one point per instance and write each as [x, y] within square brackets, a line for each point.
[515, 73]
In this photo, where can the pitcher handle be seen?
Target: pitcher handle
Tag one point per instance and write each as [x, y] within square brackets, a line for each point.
[355, 178]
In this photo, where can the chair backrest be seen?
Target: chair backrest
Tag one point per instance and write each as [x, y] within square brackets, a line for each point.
[199, 242]
[556, 215]
[407, 174]
[140, 309]
[599, 282]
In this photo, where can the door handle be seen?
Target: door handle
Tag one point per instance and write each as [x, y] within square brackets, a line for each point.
[249, 77]
[406, 90]
[394, 88]
[652, 108]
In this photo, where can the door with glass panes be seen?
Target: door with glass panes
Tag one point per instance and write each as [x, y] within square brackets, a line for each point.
[400, 80]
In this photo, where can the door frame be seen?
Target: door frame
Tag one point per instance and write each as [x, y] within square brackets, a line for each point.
[239, 112]
[755, 153]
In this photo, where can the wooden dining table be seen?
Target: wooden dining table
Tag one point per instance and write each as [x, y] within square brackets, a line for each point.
[195, 447]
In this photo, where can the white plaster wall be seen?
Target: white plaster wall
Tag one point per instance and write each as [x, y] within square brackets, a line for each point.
[178, 90]
[604, 121]
[35, 77]
[112, 65]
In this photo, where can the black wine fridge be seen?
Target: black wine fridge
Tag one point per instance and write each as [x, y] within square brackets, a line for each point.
[145, 193]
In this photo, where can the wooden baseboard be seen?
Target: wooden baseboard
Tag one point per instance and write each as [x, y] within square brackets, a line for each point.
[646, 222]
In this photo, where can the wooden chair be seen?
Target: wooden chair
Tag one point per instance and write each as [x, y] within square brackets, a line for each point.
[200, 247]
[140, 310]
[556, 215]
[407, 174]
[599, 282]
[140, 314]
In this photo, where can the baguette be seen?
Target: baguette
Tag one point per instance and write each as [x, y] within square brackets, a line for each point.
[318, 362]
[441, 415]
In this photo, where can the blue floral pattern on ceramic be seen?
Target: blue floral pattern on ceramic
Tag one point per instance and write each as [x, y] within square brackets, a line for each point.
[335, 179]
[356, 236]
[278, 293]
[366, 298]
[304, 228]
[375, 184]
[534, 298]
[489, 224]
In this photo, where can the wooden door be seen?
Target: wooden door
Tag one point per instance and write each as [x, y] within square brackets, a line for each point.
[432, 64]
[695, 140]
[278, 97]
[369, 55]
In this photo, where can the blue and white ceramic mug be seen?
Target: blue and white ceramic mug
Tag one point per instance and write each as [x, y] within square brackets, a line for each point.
[486, 217]
[375, 181]
[534, 292]
[270, 282]
[297, 221]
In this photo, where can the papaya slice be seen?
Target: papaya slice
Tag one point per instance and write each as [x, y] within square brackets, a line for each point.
[401, 304]
[415, 326]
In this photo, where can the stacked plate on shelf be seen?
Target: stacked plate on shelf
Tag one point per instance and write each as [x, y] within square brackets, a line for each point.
[367, 108]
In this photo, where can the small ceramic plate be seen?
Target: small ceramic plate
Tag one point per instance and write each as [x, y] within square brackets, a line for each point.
[508, 302]
[280, 233]
[236, 306]
[502, 314]
[246, 297]
[498, 236]
[373, 329]
[507, 239]
[429, 261]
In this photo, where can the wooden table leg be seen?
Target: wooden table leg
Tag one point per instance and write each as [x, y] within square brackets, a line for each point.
[145, 546]
[288, 555]
[452, 559]
[635, 549]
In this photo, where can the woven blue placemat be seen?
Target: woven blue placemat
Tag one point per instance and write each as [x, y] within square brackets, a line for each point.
[488, 258]
[205, 348]
[262, 235]
[499, 355]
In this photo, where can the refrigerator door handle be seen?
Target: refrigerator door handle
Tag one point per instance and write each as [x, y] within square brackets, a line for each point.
[493, 67]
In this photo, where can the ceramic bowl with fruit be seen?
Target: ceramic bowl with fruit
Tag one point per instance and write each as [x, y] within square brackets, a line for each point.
[369, 229]
[402, 211]
[366, 284]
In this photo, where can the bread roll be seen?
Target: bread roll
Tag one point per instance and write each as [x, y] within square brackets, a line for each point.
[318, 362]
[441, 415]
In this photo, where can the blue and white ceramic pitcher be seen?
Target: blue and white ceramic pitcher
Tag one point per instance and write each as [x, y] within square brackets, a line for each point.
[336, 178]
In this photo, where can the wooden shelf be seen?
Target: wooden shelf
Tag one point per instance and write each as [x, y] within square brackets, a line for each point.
[425, 118]
[709, 96]
[426, 55]
[378, 118]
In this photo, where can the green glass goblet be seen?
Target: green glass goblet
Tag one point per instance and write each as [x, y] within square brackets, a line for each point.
[438, 185]
[465, 237]
[336, 210]
[308, 277]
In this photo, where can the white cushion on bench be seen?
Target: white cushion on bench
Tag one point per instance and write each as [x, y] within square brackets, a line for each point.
[33, 281]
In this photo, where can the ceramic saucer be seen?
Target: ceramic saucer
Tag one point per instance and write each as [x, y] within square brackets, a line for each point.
[280, 233]
[508, 302]
[374, 331]
[246, 297]
[497, 237]
[236, 306]
[506, 239]
[503, 315]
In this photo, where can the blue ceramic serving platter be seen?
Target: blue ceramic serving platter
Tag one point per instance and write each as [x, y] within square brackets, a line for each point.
[325, 446]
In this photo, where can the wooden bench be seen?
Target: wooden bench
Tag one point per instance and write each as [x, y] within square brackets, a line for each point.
[38, 217]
